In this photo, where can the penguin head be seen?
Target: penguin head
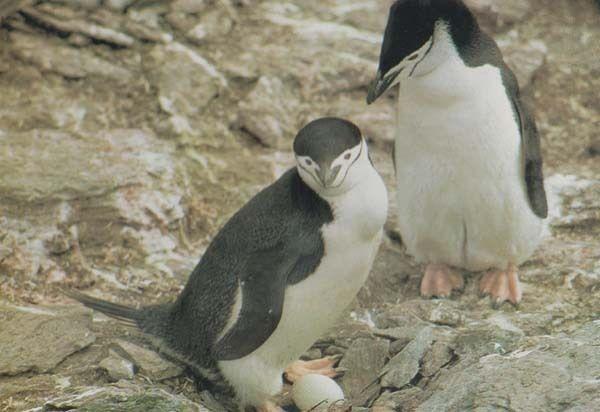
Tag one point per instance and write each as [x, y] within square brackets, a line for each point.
[331, 155]
[409, 46]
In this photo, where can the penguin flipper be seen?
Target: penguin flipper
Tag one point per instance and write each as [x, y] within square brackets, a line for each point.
[262, 292]
[263, 288]
[532, 156]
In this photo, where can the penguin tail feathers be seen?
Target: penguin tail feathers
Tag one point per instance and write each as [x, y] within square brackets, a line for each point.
[124, 314]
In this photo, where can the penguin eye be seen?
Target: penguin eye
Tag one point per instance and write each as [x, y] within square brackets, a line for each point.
[308, 162]
[347, 156]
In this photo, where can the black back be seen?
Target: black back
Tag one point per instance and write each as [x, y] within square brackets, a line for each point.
[273, 241]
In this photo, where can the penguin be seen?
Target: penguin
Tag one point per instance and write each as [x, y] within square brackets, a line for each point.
[467, 153]
[279, 273]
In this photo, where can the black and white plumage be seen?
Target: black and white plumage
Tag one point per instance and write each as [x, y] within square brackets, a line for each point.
[467, 152]
[281, 271]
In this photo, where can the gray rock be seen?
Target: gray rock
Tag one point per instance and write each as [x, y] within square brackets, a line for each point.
[124, 397]
[71, 166]
[377, 122]
[403, 367]
[573, 202]
[84, 4]
[500, 15]
[213, 25]
[558, 372]
[9, 7]
[267, 113]
[312, 353]
[398, 345]
[438, 356]
[74, 25]
[404, 400]
[117, 367]
[593, 148]
[186, 81]
[37, 339]
[363, 359]
[484, 338]
[118, 5]
[446, 313]
[525, 59]
[189, 6]
[63, 60]
[149, 362]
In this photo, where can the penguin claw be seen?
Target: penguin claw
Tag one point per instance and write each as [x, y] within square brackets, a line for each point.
[323, 366]
[440, 281]
[501, 286]
[340, 371]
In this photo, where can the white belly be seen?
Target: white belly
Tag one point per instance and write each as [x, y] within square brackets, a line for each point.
[461, 192]
[314, 304]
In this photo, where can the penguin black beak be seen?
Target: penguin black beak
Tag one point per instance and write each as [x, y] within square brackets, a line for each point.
[328, 175]
[379, 85]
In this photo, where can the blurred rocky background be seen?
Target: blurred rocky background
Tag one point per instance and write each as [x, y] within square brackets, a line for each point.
[131, 130]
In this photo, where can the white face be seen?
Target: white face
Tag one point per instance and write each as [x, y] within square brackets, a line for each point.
[344, 172]
[409, 65]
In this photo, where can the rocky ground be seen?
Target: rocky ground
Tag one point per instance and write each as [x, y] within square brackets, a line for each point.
[130, 132]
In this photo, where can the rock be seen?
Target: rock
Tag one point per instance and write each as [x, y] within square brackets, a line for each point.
[180, 21]
[497, 16]
[123, 397]
[112, 187]
[213, 25]
[73, 25]
[573, 202]
[368, 14]
[446, 313]
[312, 353]
[405, 400]
[403, 367]
[37, 340]
[593, 148]
[397, 346]
[186, 81]
[333, 73]
[378, 123]
[149, 362]
[558, 373]
[118, 5]
[525, 59]
[189, 6]
[390, 278]
[267, 113]
[84, 4]
[117, 367]
[63, 60]
[363, 359]
[439, 355]
[9, 7]
[484, 338]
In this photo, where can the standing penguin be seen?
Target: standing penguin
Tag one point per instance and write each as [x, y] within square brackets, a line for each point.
[280, 272]
[467, 153]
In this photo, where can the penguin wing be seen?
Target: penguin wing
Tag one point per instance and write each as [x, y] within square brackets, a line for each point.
[262, 294]
[532, 155]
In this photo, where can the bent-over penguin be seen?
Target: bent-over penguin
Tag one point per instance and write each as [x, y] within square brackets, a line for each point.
[467, 152]
[280, 272]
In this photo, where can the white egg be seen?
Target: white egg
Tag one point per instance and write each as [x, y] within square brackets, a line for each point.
[310, 390]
